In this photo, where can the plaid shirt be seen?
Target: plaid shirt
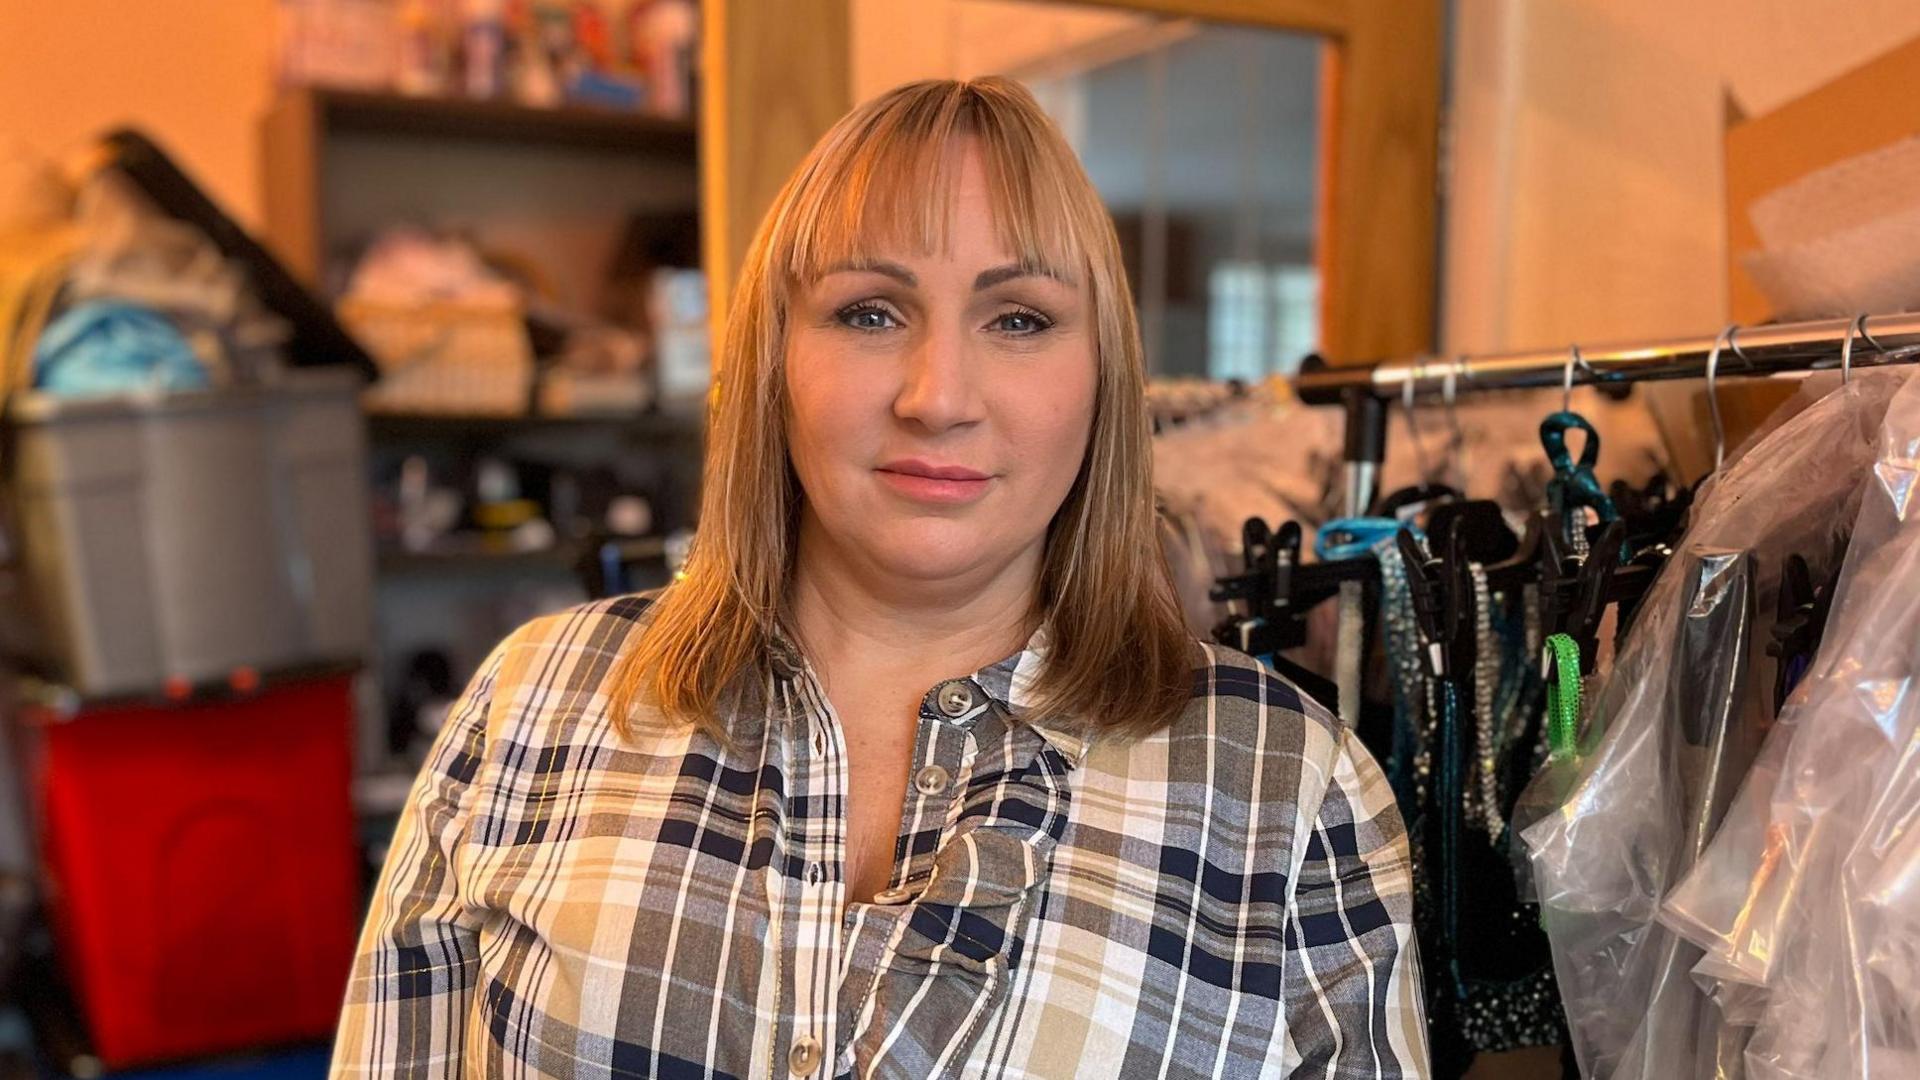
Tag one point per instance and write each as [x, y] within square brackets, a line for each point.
[1228, 897]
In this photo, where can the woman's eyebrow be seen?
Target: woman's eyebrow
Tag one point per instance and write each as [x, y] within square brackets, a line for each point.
[986, 279]
[989, 278]
[890, 269]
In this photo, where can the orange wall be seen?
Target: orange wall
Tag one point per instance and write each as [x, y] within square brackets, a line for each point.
[895, 42]
[195, 75]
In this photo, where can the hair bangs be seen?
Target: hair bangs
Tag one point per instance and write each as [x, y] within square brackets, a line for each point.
[889, 185]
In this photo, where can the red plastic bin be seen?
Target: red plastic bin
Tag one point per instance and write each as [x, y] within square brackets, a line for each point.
[201, 860]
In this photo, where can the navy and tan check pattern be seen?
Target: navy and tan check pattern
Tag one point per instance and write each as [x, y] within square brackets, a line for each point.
[1229, 897]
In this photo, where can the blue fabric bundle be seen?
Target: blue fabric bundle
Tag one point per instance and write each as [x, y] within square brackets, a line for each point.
[110, 347]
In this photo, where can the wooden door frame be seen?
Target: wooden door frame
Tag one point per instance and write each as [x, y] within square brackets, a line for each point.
[784, 77]
[1380, 90]
[776, 75]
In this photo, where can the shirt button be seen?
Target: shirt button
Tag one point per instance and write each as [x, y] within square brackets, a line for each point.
[955, 699]
[931, 780]
[892, 896]
[804, 1058]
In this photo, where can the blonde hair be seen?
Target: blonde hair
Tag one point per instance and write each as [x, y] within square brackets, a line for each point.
[1119, 660]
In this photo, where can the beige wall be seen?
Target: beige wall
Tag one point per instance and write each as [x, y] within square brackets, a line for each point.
[1587, 200]
[194, 74]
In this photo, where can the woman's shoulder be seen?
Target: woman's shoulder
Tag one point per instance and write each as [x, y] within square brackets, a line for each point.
[1240, 712]
[566, 655]
[595, 624]
[1235, 693]
[1244, 765]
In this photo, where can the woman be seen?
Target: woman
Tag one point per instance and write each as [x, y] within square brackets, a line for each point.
[916, 771]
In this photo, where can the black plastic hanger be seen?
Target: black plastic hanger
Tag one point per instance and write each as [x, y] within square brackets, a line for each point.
[1655, 515]
[1485, 535]
[1273, 620]
[1575, 589]
[1414, 497]
[1442, 592]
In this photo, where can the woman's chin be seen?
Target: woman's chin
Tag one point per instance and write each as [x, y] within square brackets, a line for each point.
[934, 555]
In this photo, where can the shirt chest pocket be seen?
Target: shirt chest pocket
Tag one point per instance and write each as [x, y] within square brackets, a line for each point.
[950, 957]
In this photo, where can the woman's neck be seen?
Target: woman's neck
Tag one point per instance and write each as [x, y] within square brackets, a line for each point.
[849, 617]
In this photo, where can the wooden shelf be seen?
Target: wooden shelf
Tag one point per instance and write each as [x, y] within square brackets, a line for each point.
[560, 557]
[417, 427]
[465, 557]
[358, 112]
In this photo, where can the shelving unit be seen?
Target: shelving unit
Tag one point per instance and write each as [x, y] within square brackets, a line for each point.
[555, 188]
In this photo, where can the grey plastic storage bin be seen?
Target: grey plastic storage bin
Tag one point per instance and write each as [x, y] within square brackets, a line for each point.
[189, 534]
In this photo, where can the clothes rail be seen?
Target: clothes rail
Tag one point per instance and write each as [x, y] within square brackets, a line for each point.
[1747, 350]
[1772, 349]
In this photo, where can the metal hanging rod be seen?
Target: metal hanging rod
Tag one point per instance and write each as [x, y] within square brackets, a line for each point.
[1749, 350]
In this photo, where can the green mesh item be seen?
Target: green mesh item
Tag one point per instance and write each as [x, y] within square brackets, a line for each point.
[1563, 695]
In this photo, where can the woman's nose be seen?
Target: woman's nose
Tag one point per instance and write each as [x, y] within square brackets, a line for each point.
[937, 389]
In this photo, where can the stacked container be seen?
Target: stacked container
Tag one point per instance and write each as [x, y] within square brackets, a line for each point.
[180, 538]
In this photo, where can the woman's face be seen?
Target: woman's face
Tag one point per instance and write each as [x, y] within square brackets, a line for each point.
[940, 405]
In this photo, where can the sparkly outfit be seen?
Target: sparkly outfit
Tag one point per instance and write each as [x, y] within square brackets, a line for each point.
[1456, 766]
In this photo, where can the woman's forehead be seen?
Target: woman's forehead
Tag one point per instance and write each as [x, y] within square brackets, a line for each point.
[912, 199]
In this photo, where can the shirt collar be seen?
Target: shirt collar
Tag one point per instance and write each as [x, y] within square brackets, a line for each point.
[1009, 682]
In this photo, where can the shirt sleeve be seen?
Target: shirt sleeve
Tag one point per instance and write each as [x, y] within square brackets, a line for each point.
[1354, 1001]
[412, 984]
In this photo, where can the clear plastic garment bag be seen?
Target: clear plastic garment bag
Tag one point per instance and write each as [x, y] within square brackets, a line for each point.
[1673, 728]
[1807, 900]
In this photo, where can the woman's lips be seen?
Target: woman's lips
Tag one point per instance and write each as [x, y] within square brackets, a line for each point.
[929, 482]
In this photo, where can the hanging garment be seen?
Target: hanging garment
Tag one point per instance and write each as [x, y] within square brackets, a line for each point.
[1500, 961]
[1659, 757]
[1489, 973]
[1805, 901]
[1264, 456]
[1714, 736]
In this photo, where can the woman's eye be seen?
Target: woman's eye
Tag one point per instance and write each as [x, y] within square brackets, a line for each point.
[866, 317]
[1022, 323]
